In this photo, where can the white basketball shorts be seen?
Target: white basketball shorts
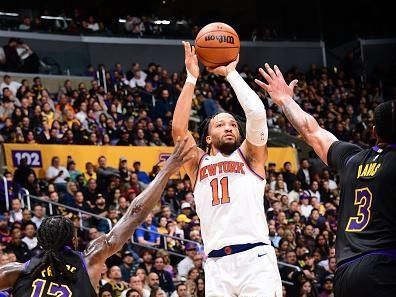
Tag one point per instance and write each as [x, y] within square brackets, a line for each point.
[252, 273]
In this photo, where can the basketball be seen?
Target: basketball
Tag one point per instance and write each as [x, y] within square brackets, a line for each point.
[217, 44]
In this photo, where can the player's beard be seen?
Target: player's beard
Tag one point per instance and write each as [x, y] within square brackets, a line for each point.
[226, 148]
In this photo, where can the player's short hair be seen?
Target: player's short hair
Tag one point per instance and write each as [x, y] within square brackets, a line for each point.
[204, 130]
[385, 121]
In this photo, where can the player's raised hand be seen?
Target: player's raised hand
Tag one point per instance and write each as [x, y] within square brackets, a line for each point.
[181, 154]
[276, 85]
[224, 70]
[191, 59]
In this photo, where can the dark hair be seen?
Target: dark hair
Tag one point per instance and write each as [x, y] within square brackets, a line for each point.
[54, 234]
[203, 130]
[132, 291]
[31, 224]
[385, 121]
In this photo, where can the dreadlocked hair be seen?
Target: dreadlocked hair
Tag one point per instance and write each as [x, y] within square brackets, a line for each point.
[54, 234]
[203, 130]
[385, 121]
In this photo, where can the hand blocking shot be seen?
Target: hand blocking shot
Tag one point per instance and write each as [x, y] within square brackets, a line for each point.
[61, 271]
[366, 232]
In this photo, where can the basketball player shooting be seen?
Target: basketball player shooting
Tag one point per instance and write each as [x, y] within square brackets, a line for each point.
[229, 179]
[61, 271]
[366, 232]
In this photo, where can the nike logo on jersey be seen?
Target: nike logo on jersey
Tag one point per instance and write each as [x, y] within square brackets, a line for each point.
[260, 255]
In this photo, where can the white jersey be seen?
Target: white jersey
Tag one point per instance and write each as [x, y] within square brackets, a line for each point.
[229, 199]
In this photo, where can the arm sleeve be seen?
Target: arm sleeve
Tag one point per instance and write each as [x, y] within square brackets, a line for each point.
[256, 116]
[340, 153]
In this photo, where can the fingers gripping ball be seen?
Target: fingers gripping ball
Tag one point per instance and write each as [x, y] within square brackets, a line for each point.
[217, 44]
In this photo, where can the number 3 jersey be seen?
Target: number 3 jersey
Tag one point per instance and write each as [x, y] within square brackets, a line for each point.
[43, 285]
[367, 211]
[229, 199]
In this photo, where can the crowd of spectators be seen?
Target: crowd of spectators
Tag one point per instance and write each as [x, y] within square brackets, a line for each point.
[137, 109]
[78, 22]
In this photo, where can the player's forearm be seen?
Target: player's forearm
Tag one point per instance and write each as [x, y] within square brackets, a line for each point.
[302, 121]
[248, 98]
[256, 117]
[182, 111]
[140, 207]
[9, 273]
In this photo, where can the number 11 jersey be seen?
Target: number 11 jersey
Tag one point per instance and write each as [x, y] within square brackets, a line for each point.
[229, 202]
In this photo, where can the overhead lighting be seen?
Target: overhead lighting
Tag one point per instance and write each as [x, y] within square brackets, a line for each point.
[162, 22]
[122, 20]
[48, 17]
[9, 14]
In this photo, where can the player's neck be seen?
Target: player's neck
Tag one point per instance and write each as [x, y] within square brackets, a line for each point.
[381, 143]
[214, 151]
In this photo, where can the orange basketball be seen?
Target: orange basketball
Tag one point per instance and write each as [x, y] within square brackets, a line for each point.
[217, 44]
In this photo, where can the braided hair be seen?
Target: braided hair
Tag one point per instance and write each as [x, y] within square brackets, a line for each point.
[204, 130]
[385, 121]
[54, 234]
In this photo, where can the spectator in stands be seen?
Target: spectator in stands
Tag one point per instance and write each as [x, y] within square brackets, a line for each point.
[135, 184]
[12, 62]
[147, 263]
[18, 247]
[158, 293]
[26, 218]
[16, 211]
[306, 208]
[92, 25]
[22, 172]
[30, 236]
[306, 289]
[303, 174]
[80, 203]
[38, 217]
[123, 170]
[165, 278]
[153, 282]
[30, 61]
[103, 172]
[127, 267]
[164, 106]
[288, 176]
[116, 284]
[327, 288]
[90, 172]
[187, 263]
[149, 237]
[5, 234]
[142, 176]
[137, 285]
[181, 291]
[57, 174]
[12, 85]
[26, 24]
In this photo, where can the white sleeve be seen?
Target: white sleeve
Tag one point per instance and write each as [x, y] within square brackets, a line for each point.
[256, 117]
